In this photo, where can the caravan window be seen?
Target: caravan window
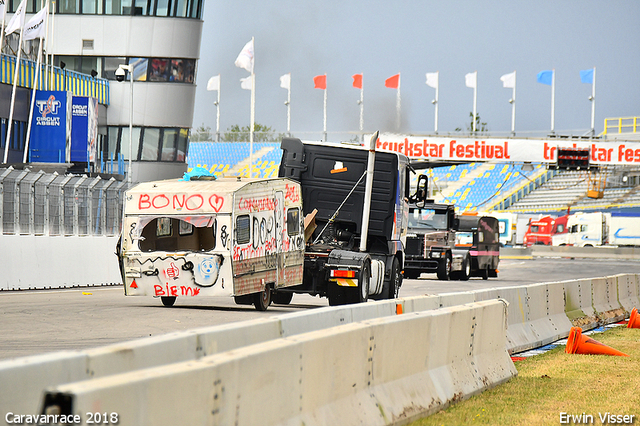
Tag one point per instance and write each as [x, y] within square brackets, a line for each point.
[194, 233]
[293, 221]
[243, 229]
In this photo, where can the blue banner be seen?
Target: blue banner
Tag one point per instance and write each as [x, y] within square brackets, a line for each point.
[51, 127]
[84, 129]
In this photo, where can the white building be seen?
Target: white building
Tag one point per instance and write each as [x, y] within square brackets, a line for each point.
[161, 38]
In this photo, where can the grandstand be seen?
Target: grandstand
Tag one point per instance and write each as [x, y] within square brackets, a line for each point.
[232, 158]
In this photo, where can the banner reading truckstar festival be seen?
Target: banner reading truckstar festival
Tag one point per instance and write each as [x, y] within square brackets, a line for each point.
[505, 150]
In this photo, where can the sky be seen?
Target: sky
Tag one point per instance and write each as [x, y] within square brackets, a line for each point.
[379, 39]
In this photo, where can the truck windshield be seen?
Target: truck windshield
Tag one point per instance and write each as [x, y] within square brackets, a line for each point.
[427, 219]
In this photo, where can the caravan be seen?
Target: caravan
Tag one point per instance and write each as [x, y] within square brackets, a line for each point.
[235, 237]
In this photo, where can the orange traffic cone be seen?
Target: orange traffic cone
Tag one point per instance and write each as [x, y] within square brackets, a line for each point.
[579, 344]
[634, 319]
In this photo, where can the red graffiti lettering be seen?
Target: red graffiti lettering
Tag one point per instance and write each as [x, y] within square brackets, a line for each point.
[195, 204]
[189, 291]
[216, 202]
[292, 193]
[160, 201]
[177, 205]
[143, 202]
[257, 204]
[167, 290]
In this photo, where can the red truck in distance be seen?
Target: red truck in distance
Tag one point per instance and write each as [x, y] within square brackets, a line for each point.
[542, 230]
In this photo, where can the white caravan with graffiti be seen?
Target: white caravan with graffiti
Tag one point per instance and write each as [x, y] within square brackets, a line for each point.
[232, 236]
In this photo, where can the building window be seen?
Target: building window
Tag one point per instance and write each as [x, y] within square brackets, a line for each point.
[150, 144]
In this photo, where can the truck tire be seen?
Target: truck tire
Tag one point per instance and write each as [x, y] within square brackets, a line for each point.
[444, 268]
[262, 300]
[484, 273]
[466, 269]
[168, 300]
[282, 298]
[364, 281]
[396, 280]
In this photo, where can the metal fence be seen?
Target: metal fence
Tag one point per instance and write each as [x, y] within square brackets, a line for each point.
[39, 203]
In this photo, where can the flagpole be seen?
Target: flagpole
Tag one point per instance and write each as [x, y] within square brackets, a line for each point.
[324, 122]
[475, 102]
[253, 108]
[13, 96]
[45, 73]
[436, 101]
[513, 107]
[33, 100]
[398, 106]
[53, 21]
[553, 100]
[289, 107]
[218, 112]
[593, 103]
[362, 110]
[2, 32]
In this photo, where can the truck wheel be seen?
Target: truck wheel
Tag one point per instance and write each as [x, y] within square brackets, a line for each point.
[168, 300]
[396, 280]
[262, 300]
[444, 268]
[466, 269]
[363, 283]
[282, 298]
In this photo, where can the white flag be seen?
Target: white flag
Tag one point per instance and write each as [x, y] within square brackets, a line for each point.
[35, 26]
[3, 9]
[285, 81]
[17, 21]
[471, 79]
[245, 58]
[432, 79]
[245, 83]
[214, 83]
[509, 80]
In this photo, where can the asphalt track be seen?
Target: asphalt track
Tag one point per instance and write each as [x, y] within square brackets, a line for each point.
[35, 322]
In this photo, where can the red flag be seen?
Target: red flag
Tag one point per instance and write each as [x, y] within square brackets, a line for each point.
[357, 81]
[392, 82]
[320, 82]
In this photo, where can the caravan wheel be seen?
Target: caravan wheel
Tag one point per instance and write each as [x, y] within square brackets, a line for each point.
[262, 300]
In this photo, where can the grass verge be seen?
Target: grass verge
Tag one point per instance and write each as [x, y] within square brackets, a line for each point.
[555, 382]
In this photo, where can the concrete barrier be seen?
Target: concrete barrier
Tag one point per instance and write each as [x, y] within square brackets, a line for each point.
[377, 372]
[62, 257]
[605, 300]
[628, 295]
[578, 301]
[36, 373]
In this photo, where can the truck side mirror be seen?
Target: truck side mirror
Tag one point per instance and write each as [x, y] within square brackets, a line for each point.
[420, 195]
[456, 224]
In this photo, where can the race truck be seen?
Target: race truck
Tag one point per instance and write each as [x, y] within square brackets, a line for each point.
[431, 237]
[356, 208]
[477, 247]
[251, 239]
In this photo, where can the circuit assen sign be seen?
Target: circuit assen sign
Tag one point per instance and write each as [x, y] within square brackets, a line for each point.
[505, 150]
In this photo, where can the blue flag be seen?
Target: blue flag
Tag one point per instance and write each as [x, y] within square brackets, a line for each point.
[586, 76]
[545, 77]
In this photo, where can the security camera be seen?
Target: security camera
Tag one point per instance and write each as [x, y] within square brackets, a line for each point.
[120, 74]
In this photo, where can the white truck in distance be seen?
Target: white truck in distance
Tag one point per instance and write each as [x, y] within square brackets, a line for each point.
[599, 229]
